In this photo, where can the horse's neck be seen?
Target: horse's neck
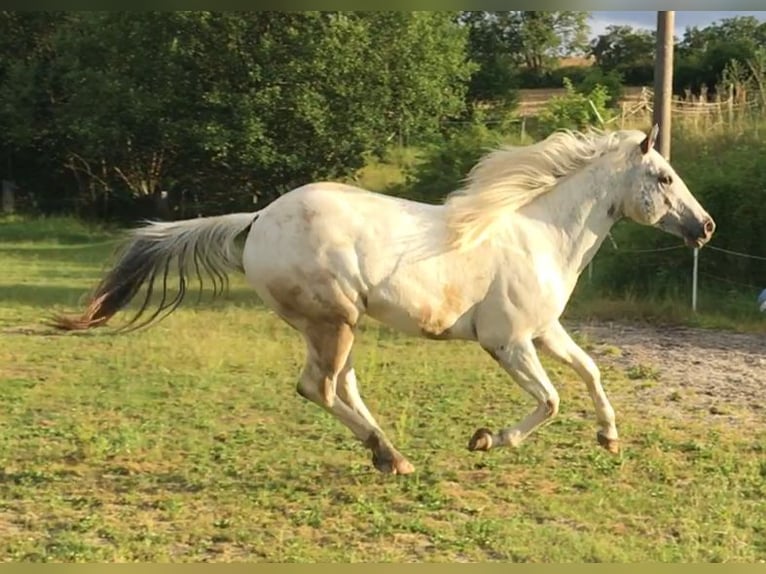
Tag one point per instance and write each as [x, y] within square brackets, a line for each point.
[582, 209]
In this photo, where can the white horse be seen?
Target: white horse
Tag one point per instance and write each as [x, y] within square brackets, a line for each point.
[495, 264]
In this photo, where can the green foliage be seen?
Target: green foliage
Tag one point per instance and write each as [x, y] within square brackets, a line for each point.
[445, 164]
[214, 107]
[612, 81]
[495, 79]
[627, 52]
[547, 35]
[512, 46]
[575, 110]
[703, 53]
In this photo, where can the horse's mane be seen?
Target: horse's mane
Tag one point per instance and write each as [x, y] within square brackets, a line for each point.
[508, 178]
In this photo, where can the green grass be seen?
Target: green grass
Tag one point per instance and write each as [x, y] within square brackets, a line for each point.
[732, 311]
[188, 442]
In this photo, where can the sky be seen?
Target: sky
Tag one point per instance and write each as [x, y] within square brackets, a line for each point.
[600, 20]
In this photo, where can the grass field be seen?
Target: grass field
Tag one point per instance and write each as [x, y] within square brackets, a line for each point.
[188, 442]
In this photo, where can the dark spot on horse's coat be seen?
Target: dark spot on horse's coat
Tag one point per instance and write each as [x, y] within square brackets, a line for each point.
[435, 322]
[308, 214]
[318, 299]
[612, 211]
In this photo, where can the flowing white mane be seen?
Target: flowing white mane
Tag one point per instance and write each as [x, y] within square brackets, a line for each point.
[508, 178]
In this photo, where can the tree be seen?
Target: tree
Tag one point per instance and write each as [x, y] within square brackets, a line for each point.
[503, 43]
[703, 54]
[495, 77]
[26, 51]
[627, 51]
[230, 104]
[430, 83]
[545, 36]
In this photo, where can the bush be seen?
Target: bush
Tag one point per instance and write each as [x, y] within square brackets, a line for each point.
[528, 78]
[575, 110]
[446, 164]
[611, 80]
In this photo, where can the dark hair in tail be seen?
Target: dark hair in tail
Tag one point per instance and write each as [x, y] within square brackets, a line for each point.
[154, 252]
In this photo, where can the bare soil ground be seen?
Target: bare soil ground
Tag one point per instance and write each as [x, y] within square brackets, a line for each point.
[683, 369]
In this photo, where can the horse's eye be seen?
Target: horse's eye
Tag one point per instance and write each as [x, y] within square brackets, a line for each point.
[665, 179]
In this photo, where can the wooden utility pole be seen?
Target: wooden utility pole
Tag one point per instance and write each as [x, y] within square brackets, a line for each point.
[663, 96]
[663, 79]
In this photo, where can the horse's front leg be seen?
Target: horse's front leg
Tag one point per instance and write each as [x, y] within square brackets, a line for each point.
[557, 342]
[522, 363]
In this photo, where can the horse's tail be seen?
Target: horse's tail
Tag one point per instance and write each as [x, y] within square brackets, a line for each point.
[199, 246]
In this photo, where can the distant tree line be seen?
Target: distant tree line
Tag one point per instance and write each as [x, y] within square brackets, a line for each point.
[701, 55]
[133, 114]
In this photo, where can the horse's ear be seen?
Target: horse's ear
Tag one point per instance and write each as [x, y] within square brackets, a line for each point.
[650, 139]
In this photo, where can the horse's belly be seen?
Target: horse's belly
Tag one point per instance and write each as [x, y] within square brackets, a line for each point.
[441, 314]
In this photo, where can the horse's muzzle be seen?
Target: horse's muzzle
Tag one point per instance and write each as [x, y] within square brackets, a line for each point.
[699, 233]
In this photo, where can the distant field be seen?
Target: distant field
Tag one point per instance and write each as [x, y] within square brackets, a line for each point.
[188, 442]
[532, 100]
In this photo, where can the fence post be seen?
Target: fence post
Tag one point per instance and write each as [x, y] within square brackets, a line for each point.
[731, 105]
[9, 196]
[595, 111]
[695, 268]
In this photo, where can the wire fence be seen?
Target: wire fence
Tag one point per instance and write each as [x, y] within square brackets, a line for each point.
[696, 271]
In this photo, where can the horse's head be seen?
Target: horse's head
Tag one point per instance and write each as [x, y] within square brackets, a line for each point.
[657, 196]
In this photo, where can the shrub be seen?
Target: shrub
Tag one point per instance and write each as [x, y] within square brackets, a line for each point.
[575, 110]
[611, 80]
[446, 164]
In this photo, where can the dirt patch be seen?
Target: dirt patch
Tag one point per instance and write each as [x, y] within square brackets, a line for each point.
[717, 372]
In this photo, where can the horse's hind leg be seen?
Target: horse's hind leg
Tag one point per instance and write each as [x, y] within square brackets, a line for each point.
[329, 346]
[348, 391]
[560, 345]
[522, 363]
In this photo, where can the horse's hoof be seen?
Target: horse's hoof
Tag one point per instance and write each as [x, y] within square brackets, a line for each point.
[481, 440]
[610, 444]
[403, 466]
[392, 465]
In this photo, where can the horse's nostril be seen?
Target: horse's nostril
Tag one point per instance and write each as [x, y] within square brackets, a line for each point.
[709, 227]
